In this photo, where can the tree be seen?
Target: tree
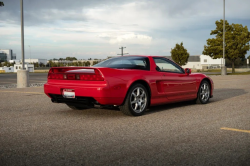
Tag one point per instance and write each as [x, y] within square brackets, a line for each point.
[1, 3]
[87, 63]
[179, 54]
[237, 40]
[71, 58]
[36, 64]
[95, 62]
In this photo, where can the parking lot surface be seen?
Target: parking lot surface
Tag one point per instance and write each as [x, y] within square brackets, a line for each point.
[11, 78]
[34, 131]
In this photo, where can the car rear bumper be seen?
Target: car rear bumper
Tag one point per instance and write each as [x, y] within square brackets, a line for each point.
[85, 93]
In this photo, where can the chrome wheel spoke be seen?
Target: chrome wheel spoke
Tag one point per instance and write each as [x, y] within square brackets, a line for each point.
[134, 94]
[133, 102]
[136, 105]
[138, 92]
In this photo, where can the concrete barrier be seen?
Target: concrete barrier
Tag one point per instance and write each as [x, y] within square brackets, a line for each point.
[22, 78]
[2, 71]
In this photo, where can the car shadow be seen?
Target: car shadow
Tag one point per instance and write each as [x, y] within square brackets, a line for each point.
[110, 112]
[158, 108]
[226, 93]
[219, 95]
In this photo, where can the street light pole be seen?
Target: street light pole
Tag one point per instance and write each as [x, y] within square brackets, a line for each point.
[224, 32]
[224, 69]
[23, 74]
[22, 34]
[30, 55]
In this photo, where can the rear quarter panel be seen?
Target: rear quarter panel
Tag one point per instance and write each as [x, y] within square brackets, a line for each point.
[120, 80]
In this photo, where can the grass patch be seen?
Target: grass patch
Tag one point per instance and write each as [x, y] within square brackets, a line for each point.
[41, 71]
[240, 73]
[213, 70]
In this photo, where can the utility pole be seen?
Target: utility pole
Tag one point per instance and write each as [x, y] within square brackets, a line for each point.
[122, 51]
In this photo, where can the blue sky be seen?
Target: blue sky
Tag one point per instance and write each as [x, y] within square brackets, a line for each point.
[97, 28]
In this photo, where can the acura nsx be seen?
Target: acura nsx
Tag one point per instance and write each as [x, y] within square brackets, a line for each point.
[132, 83]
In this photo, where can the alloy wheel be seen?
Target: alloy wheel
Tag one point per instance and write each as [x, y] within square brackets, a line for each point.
[138, 100]
[204, 92]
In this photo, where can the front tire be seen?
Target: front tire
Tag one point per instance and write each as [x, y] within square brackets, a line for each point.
[203, 93]
[136, 101]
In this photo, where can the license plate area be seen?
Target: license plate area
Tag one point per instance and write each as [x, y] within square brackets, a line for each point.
[68, 93]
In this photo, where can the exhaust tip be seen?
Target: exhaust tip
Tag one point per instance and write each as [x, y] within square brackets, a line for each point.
[53, 101]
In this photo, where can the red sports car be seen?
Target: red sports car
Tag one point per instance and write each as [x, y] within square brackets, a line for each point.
[131, 82]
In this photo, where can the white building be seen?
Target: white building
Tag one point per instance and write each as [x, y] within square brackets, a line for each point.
[7, 69]
[194, 62]
[201, 62]
[16, 61]
[43, 61]
[29, 67]
[208, 62]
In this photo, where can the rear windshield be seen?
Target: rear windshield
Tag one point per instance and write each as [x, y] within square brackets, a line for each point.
[126, 62]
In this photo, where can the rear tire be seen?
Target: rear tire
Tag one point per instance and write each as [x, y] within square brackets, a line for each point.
[203, 94]
[136, 101]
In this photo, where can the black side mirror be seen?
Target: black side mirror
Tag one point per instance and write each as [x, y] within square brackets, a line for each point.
[188, 71]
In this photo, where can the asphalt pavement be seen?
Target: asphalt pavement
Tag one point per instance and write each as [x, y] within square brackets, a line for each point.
[11, 78]
[34, 131]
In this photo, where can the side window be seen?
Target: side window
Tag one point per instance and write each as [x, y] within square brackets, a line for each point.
[167, 66]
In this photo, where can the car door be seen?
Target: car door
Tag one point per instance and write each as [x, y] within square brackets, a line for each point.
[175, 83]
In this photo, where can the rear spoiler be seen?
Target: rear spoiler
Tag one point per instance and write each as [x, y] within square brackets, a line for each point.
[75, 73]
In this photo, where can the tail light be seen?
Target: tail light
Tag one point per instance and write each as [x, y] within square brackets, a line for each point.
[61, 75]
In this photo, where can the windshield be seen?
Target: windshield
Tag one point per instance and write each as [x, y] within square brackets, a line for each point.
[126, 62]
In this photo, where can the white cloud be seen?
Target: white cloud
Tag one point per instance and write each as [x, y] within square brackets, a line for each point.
[126, 38]
[131, 38]
[99, 28]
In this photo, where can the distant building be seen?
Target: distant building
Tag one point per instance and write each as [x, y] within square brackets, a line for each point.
[3, 57]
[9, 54]
[43, 61]
[201, 62]
[29, 67]
[13, 56]
[208, 62]
[7, 69]
[15, 61]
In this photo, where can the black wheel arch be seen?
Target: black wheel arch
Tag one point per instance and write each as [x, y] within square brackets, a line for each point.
[145, 84]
